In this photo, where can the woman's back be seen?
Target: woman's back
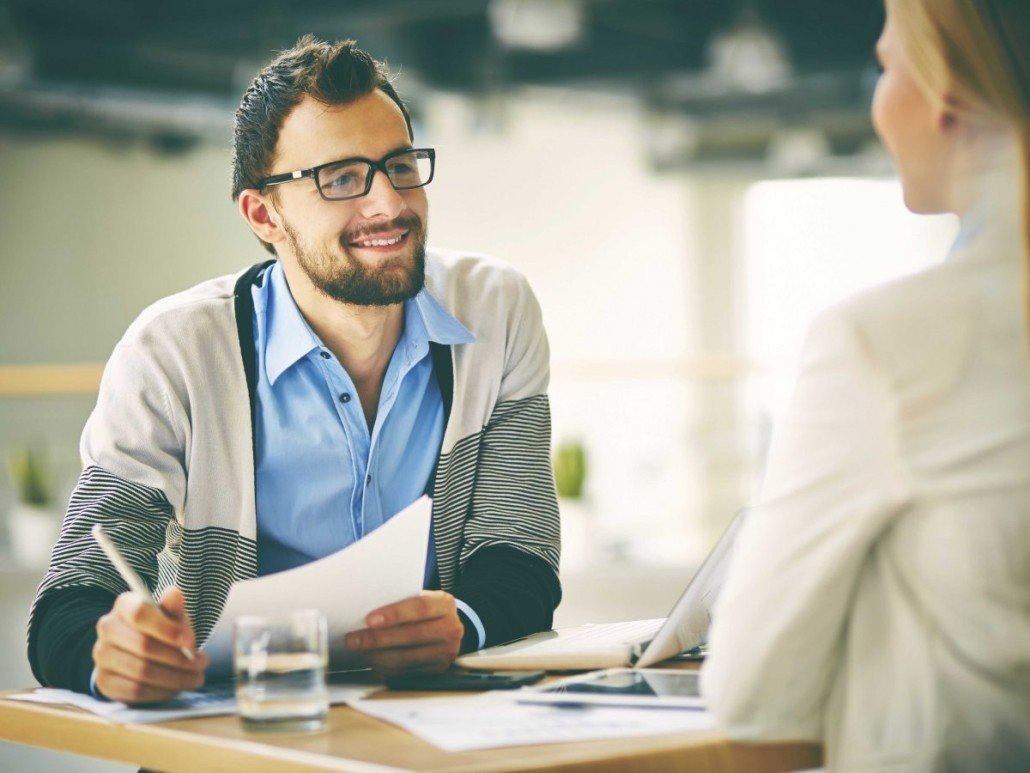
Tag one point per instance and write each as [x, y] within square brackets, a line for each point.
[880, 595]
[937, 649]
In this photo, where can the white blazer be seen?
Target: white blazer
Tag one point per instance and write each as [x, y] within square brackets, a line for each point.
[879, 595]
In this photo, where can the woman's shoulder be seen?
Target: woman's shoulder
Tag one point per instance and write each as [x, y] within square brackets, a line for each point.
[921, 328]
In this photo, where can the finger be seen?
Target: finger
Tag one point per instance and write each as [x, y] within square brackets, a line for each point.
[140, 616]
[441, 629]
[433, 657]
[119, 688]
[113, 631]
[117, 661]
[173, 604]
[428, 604]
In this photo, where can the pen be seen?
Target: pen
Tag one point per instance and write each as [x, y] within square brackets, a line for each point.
[136, 585]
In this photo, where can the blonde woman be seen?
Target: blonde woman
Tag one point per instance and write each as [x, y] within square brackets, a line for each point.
[879, 597]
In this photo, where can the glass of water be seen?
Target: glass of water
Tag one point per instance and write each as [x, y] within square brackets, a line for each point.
[280, 665]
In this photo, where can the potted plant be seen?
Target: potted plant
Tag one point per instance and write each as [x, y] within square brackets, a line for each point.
[34, 521]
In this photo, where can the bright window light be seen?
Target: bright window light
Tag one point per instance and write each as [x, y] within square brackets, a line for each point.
[812, 243]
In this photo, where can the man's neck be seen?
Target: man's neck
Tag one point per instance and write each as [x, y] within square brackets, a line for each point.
[361, 337]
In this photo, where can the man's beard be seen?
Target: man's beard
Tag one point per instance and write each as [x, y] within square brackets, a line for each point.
[349, 279]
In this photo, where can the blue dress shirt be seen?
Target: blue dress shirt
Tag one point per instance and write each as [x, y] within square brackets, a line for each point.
[323, 480]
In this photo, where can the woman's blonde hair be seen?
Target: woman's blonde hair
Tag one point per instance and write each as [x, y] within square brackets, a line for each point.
[973, 55]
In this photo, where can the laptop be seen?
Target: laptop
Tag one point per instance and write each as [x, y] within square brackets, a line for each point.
[640, 643]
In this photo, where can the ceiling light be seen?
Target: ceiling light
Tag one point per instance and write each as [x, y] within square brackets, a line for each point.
[538, 25]
[749, 56]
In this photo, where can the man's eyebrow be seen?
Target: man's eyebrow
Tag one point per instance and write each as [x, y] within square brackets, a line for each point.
[397, 149]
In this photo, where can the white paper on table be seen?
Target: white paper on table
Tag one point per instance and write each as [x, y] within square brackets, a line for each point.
[384, 567]
[495, 719]
[209, 702]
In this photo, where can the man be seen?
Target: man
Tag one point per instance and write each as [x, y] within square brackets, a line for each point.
[258, 422]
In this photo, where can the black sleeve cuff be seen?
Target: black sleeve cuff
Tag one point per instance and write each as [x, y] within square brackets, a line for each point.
[513, 592]
[62, 634]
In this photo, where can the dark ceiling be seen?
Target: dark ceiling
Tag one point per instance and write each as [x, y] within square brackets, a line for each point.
[60, 59]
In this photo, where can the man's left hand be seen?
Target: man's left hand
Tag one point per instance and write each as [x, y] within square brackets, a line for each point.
[422, 632]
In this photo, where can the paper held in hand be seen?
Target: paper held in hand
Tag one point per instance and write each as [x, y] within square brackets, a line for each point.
[382, 568]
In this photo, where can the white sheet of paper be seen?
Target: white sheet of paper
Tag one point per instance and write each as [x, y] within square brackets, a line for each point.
[384, 567]
[219, 699]
[494, 719]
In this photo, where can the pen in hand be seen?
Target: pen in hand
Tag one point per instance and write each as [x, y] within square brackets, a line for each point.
[136, 585]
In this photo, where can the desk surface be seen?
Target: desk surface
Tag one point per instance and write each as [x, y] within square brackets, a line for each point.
[356, 742]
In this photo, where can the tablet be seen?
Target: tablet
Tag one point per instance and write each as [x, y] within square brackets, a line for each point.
[653, 687]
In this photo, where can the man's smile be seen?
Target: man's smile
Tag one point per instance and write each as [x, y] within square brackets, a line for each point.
[385, 241]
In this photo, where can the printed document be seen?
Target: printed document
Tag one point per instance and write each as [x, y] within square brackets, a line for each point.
[495, 719]
[384, 567]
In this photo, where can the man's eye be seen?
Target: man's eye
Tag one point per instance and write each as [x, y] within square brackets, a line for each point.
[402, 167]
[341, 180]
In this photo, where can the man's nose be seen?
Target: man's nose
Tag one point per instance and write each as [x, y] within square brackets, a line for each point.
[382, 199]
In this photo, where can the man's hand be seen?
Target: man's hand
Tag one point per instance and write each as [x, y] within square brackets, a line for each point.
[422, 633]
[137, 654]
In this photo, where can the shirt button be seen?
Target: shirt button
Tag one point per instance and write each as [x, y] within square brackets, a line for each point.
[368, 479]
[344, 397]
[324, 355]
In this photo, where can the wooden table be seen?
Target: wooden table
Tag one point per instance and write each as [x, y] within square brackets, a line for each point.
[356, 742]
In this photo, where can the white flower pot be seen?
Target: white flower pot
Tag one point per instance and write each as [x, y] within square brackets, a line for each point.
[34, 530]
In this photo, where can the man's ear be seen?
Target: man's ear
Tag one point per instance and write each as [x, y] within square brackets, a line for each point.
[259, 211]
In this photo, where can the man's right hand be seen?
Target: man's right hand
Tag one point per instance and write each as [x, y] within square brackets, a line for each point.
[137, 655]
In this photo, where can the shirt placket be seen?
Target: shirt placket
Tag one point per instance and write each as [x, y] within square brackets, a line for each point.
[348, 410]
[407, 357]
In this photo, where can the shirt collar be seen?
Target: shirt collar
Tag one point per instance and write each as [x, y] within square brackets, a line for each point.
[289, 338]
[440, 326]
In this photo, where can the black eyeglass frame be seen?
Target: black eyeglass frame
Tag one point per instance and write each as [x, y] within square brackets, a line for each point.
[373, 167]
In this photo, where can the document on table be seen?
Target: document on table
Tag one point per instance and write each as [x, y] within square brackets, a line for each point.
[386, 566]
[215, 699]
[495, 719]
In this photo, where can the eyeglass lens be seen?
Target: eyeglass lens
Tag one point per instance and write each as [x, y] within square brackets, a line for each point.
[353, 178]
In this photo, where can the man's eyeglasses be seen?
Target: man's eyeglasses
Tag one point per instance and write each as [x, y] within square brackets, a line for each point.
[352, 178]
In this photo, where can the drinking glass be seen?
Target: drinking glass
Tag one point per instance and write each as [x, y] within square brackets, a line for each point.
[280, 665]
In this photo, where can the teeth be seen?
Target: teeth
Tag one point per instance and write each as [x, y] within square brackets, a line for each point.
[380, 242]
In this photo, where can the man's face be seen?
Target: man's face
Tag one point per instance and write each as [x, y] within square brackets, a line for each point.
[368, 251]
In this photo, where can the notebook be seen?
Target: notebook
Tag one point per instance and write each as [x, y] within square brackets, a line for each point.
[639, 643]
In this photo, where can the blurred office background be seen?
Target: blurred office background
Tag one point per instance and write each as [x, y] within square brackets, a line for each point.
[685, 183]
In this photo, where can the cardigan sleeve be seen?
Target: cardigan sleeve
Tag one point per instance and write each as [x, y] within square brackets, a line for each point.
[133, 450]
[511, 546]
[835, 481]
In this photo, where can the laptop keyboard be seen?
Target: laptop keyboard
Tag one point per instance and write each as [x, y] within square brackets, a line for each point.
[601, 635]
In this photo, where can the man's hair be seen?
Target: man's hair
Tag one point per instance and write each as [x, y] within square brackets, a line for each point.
[331, 73]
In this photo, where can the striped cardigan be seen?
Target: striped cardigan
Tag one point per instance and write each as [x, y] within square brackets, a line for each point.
[168, 465]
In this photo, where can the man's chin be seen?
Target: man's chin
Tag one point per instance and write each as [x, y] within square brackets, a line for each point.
[383, 286]
[369, 295]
